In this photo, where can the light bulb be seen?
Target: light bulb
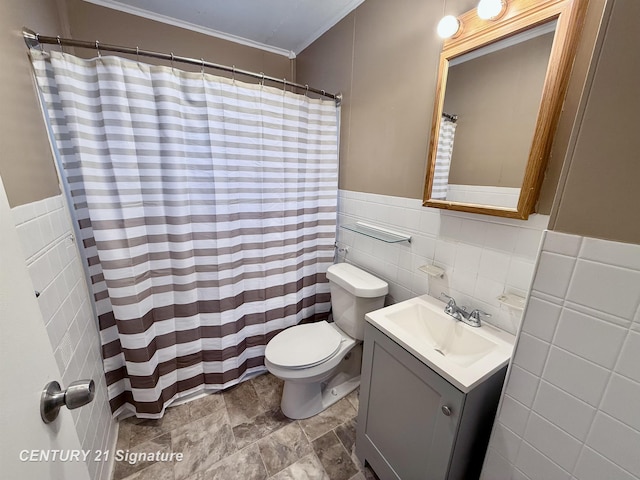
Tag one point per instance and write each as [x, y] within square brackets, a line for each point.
[448, 26]
[488, 9]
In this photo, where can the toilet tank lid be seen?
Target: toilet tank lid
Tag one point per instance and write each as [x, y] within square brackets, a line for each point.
[357, 281]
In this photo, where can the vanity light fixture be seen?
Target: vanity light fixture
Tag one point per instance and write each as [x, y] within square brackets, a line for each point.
[448, 26]
[491, 9]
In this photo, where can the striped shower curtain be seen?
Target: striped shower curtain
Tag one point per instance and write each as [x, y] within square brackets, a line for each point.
[444, 151]
[206, 210]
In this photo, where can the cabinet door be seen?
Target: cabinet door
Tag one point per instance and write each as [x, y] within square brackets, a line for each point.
[402, 428]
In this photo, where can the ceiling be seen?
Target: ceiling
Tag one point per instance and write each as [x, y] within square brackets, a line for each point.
[285, 27]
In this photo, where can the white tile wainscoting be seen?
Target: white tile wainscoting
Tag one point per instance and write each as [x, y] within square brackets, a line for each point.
[56, 272]
[483, 195]
[570, 406]
[483, 256]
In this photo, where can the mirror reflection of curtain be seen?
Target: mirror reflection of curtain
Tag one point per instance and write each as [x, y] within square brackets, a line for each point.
[443, 159]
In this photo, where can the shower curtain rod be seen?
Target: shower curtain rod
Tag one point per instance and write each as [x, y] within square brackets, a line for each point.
[34, 40]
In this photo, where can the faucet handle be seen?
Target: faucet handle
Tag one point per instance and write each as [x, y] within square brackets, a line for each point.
[452, 301]
[476, 314]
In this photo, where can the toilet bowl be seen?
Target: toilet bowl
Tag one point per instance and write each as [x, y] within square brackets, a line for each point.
[320, 362]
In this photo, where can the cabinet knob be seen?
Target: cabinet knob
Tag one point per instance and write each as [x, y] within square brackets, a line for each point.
[446, 410]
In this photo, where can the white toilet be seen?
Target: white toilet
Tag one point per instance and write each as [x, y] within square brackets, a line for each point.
[320, 362]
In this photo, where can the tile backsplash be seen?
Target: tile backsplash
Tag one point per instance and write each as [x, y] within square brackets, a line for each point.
[482, 256]
[55, 268]
[570, 406]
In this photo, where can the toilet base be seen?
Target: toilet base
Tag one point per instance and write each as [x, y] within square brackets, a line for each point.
[303, 400]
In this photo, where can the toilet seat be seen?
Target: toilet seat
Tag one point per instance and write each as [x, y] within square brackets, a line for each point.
[303, 346]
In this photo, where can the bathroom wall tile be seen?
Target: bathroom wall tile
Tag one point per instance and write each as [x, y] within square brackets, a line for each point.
[473, 232]
[566, 411]
[518, 475]
[612, 253]
[505, 442]
[553, 442]
[501, 237]
[445, 253]
[496, 467]
[520, 273]
[465, 282]
[605, 287]
[538, 467]
[424, 246]
[612, 319]
[513, 415]
[528, 243]
[593, 466]
[522, 385]
[467, 258]
[575, 375]
[494, 265]
[429, 222]
[635, 325]
[621, 401]
[531, 354]
[630, 357]
[562, 243]
[488, 290]
[587, 308]
[616, 441]
[541, 318]
[22, 213]
[553, 274]
[589, 337]
[450, 226]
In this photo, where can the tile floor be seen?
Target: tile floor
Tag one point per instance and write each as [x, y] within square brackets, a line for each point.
[242, 434]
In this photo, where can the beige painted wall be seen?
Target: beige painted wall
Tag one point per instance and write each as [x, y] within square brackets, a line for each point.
[26, 164]
[92, 22]
[600, 195]
[496, 98]
[384, 58]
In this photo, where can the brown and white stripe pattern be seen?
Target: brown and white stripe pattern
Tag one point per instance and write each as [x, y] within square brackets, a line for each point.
[207, 214]
[444, 152]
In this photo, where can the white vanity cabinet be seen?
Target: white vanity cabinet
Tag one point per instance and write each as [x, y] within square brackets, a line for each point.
[415, 425]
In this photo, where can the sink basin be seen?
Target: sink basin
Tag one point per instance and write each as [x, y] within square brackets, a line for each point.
[462, 354]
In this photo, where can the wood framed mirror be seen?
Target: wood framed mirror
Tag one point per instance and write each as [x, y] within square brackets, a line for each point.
[501, 85]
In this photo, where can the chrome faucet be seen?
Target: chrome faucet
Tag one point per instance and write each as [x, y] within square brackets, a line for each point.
[460, 313]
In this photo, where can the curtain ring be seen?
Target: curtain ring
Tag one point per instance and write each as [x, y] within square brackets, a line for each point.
[98, 48]
[171, 60]
[137, 54]
[202, 69]
[60, 44]
[262, 81]
[233, 73]
[284, 85]
[306, 86]
[39, 43]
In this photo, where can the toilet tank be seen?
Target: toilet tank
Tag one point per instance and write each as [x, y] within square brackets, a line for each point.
[354, 293]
